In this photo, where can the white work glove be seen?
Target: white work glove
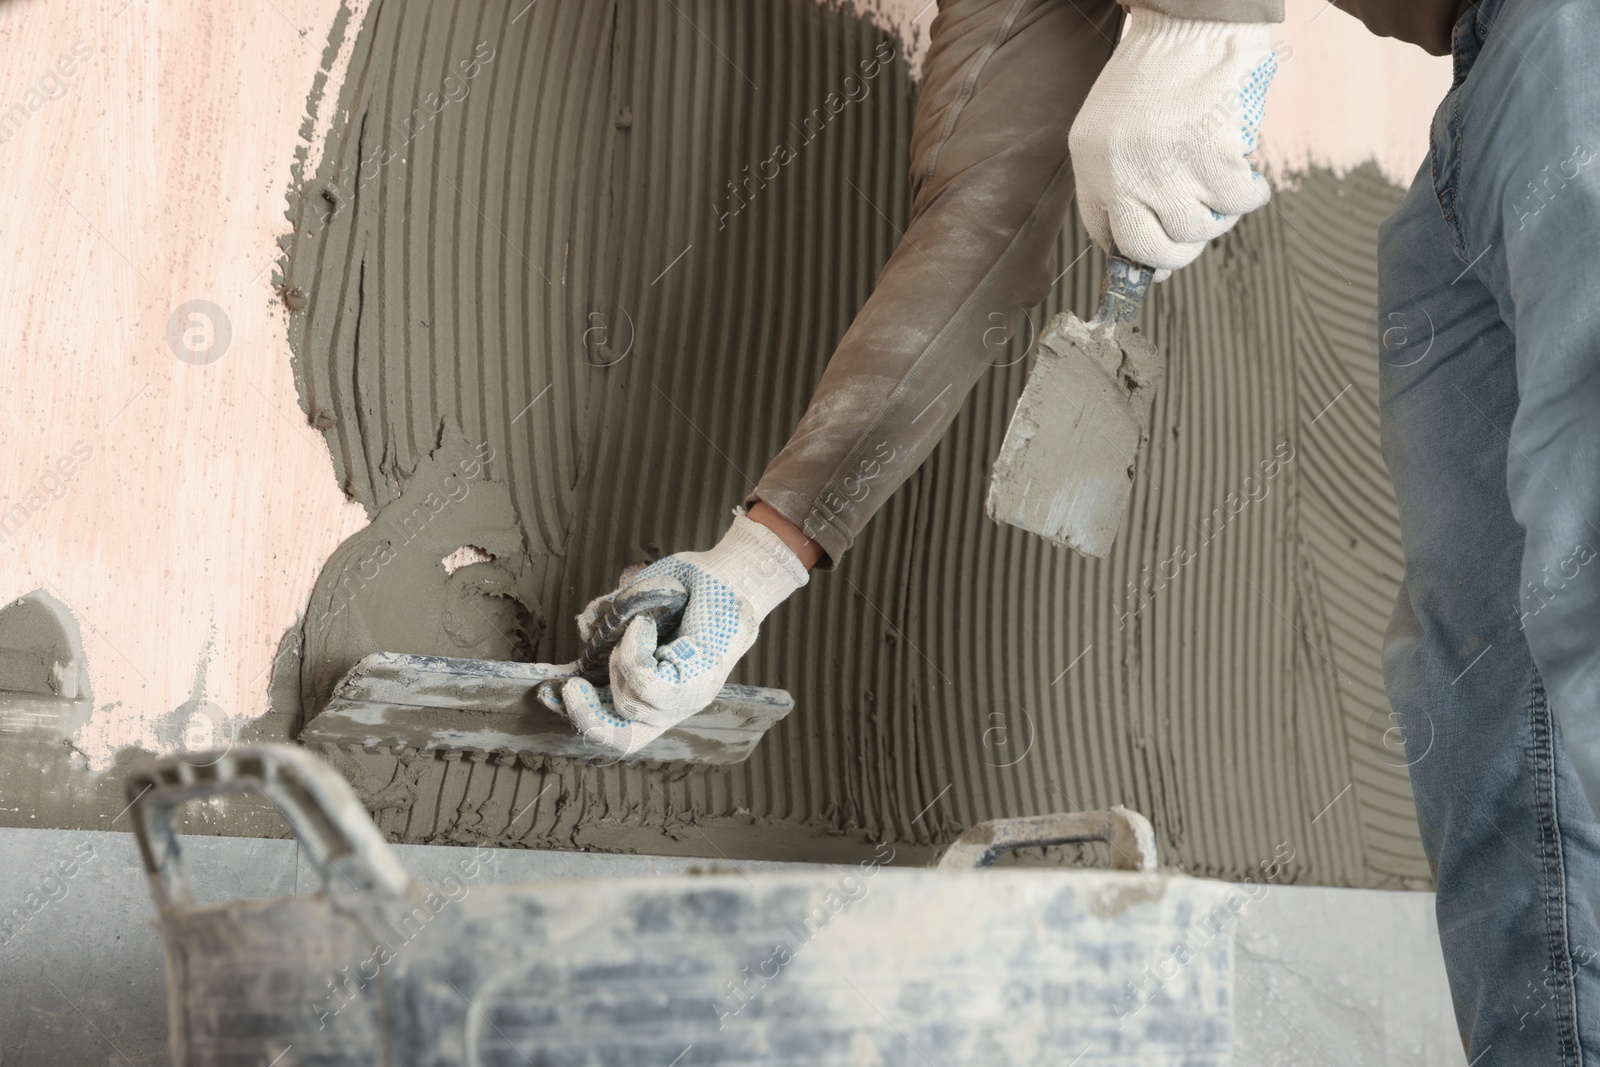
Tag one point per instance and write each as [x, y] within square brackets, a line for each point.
[731, 588]
[1159, 147]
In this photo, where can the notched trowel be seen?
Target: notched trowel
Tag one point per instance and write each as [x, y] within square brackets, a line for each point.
[484, 708]
[1067, 465]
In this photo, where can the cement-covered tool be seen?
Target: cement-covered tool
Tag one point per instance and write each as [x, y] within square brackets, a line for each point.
[820, 965]
[1068, 461]
[480, 707]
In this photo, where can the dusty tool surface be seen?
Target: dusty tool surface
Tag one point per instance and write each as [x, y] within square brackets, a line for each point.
[491, 707]
[866, 964]
[1066, 468]
[438, 704]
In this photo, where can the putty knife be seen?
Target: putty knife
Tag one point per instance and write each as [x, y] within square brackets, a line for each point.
[1067, 464]
[484, 708]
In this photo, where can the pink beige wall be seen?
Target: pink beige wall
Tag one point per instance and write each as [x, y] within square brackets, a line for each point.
[180, 511]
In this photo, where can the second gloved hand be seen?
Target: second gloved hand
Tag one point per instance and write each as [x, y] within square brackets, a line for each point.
[732, 588]
[1159, 147]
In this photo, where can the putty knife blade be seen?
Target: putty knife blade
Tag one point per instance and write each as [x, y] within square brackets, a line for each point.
[1068, 462]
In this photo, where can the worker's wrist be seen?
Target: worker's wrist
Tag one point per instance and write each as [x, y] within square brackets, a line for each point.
[807, 551]
[757, 566]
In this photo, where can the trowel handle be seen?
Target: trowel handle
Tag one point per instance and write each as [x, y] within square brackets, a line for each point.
[664, 604]
[340, 840]
[1125, 287]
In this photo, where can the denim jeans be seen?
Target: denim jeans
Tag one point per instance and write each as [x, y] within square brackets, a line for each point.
[1489, 327]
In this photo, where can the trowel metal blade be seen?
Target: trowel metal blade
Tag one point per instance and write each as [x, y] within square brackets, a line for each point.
[1067, 464]
[437, 704]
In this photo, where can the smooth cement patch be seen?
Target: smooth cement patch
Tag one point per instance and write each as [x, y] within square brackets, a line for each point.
[556, 296]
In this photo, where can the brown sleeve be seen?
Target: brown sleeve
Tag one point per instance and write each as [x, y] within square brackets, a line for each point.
[991, 180]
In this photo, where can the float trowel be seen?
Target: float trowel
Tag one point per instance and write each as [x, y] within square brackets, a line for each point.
[1066, 467]
[394, 701]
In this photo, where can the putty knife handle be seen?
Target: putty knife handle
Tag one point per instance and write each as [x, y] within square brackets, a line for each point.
[1126, 285]
[664, 604]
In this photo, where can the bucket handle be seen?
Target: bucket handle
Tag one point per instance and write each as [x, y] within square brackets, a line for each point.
[344, 846]
[1130, 835]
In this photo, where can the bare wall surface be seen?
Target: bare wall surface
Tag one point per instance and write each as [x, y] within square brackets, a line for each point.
[159, 486]
[164, 511]
[540, 333]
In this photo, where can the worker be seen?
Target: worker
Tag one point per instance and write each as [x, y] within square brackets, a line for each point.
[1489, 383]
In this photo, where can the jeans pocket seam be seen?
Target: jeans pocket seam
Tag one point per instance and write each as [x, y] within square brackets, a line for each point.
[1446, 168]
[1553, 868]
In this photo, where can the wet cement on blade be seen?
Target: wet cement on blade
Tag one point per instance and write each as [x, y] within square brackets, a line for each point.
[522, 238]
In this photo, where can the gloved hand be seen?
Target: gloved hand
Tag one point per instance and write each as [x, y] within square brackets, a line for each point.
[1159, 147]
[731, 588]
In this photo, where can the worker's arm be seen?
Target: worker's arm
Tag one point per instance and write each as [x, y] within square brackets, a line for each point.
[1160, 145]
[990, 186]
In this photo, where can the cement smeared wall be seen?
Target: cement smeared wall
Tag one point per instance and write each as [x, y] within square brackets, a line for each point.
[519, 245]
